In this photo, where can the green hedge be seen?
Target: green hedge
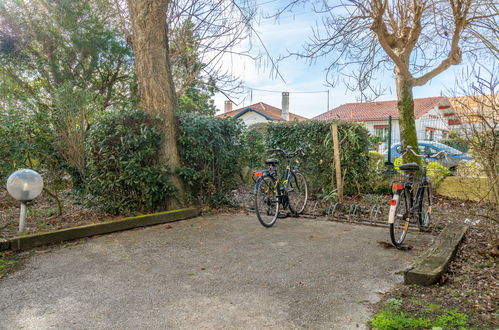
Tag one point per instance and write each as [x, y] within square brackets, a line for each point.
[460, 145]
[124, 173]
[318, 163]
[213, 152]
[456, 141]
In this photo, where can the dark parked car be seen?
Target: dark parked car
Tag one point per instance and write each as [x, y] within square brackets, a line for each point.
[454, 156]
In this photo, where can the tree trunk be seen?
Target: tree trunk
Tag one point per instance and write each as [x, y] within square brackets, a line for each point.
[405, 107]
[155, 81]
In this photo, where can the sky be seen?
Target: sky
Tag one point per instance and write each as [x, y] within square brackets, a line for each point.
[300, 77]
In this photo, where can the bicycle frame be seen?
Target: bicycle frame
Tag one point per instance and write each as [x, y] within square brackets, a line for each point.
[408, 186]
[415, 199]
[280, 186]
[281, 182]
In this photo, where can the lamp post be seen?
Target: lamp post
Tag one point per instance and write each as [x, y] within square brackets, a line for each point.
[24, 185]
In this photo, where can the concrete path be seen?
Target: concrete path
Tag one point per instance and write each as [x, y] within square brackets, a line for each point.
[215, 272]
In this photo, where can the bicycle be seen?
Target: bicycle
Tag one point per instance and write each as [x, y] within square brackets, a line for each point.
[273, 191]
[411, 200]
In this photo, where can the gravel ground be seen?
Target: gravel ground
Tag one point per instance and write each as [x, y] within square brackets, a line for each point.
[219, 271]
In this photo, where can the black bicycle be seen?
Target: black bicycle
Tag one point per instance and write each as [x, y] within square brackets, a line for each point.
[411, 202]
[273, 192]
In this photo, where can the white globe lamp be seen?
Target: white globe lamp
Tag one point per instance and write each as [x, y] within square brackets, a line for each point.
[24, 185]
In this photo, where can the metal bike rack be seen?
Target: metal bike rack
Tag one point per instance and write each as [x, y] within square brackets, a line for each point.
[352, 211]
[331, 210]
[314, 208]
[373, 215]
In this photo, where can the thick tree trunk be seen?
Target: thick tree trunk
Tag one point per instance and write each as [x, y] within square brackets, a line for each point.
[405, 107]
[155, 82]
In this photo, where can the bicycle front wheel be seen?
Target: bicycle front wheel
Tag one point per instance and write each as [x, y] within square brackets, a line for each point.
[399, 217]
[425, 209]
[266, 201]
[297, 192]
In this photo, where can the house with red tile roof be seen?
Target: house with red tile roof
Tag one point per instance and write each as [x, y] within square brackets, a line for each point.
[434, 117]
[260, 113]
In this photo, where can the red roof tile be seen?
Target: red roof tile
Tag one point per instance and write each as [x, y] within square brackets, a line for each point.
[379, 111]
[264, 109]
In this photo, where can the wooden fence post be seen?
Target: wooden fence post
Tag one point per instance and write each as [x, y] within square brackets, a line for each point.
[337, 162]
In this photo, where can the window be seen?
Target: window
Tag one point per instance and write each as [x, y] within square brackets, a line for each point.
[381, 131]
[430, 134]
[428, 150]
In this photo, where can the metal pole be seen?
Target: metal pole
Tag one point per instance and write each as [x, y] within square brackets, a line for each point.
[22, 218]
[390, 139]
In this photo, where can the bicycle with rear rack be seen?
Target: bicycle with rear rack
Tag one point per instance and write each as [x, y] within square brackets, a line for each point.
[412, 199]
[274, 192]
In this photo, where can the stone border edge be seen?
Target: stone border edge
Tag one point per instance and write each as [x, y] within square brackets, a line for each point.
[30, 241]
[434, 262]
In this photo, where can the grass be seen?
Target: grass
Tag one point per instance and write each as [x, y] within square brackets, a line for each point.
[429, 316]
[7, 263]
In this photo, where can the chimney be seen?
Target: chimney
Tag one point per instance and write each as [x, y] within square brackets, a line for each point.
[285, 106]
[228, 106]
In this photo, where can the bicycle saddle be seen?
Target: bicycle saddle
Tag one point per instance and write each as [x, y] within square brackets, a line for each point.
[272, 161]
[409, 167]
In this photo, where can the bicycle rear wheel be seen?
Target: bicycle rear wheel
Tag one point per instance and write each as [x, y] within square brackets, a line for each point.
[399, 217]
[425, 209]
[266, 201]
[297, 192]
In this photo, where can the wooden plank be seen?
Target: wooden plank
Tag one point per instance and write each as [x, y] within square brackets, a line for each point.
[337, 161]
[4, 244]
[435, 261]
[30, 241]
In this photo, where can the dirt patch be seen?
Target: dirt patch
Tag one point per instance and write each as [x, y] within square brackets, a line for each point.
[471, 285]
[42, 214]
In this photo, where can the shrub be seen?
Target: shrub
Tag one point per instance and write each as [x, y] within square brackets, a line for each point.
[25, 141]
[212, 152]
[437, 170]
[124, 173]
[434, 169]
[457, 142]
[377, 181]
[255, 150]
[470, 169]
[376, 162]
[318, 163]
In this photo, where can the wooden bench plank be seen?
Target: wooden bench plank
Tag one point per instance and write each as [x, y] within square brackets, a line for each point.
[435, 260]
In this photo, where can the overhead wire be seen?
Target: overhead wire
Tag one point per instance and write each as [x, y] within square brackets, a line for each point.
[272, 91]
